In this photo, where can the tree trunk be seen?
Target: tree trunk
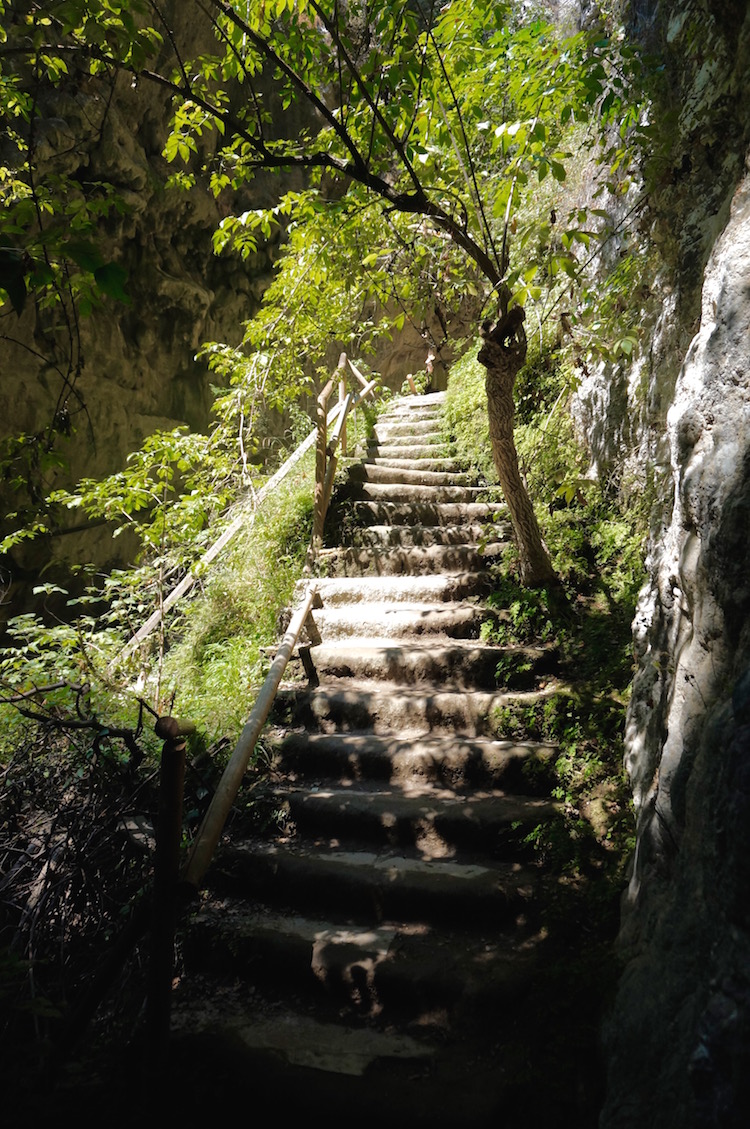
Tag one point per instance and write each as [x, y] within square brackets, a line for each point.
[502, 354]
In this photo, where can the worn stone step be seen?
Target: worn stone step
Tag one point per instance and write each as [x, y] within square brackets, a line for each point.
[387, 450]
[403, 444]
[376, 472]
[406, 536]
[385, 512]
[434, 819]
[458, 762]
[374, 885]
[459, 664]
[414, 561]
[446, 465]
[420, 402]
[403, 411]
[454, 620]
[335, 591]
[407, 492]
[300, 1062]
[389, 709]
[408, 429]
[425, 419]
[393, 971]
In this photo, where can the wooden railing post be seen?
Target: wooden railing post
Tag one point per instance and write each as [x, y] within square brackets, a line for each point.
[166, 875]
[342, 398]
[321, 458]
[210, 831]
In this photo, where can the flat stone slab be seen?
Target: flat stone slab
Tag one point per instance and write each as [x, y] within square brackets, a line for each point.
[401, 589]
[410, 450]
[408, 536]
[385, 512]
[302, 1041]
[389, 708]
[371, 471]
[458, 761]
[407, 620]
[445, 464]
[432, 817]
[409, 492]
[415, 560]
[468, 664]
[401, 882]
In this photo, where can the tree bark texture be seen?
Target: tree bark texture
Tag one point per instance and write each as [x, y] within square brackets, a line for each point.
[502, 354]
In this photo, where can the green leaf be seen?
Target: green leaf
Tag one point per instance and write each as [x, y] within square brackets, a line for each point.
[85, 255]
[111, 279]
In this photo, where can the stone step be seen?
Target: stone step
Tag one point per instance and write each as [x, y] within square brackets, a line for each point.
[389, 709]
[447, 465]
[392, 971]
[406, 444]
[411, 451]
[370, 471]
[334, 591]
[376, 885]
[418, 1077]
[433, 819]
[415, 416]
[405, 492]
[408, 428]
[455, 620]
[428, 400]
[421, 1077]
[420, 399]
[458, 762]
[413, 561]
[414, 512]
[460, 664]
[406, 536]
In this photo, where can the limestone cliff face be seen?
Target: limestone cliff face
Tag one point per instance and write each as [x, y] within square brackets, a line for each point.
[678, 1040]
[139, 370]
[139, 373]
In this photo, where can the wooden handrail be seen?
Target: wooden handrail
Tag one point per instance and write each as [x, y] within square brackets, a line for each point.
[326, 456]
[242, 519]
[224, 796]
[209, 833]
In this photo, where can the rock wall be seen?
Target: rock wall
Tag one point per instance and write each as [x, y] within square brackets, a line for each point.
[678, 1039]
[140, 373]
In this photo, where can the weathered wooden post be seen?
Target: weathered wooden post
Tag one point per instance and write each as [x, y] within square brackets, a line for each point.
[166, 873]
[320, 467]
[342, 398]
[321, 458]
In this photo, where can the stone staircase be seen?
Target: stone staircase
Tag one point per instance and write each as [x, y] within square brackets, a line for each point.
[372, 955]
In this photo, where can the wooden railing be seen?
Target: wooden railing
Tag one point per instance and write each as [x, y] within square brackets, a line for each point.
[325, 466]
[209, 833]
[175, 885]
[326, 456]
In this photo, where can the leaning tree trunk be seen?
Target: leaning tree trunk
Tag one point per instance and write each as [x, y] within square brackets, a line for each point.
[502, 353]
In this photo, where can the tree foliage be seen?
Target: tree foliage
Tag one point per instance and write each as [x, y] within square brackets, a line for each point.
[436, 143]
[439, 149]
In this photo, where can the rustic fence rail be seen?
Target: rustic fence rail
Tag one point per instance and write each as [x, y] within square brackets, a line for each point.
[245, 519]
[174, 885]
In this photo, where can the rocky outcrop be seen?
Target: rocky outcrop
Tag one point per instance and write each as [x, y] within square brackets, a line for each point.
[139, 372]
[676, 424]
[680, 1032]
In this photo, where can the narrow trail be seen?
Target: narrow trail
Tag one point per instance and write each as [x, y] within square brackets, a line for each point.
[380, 954]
